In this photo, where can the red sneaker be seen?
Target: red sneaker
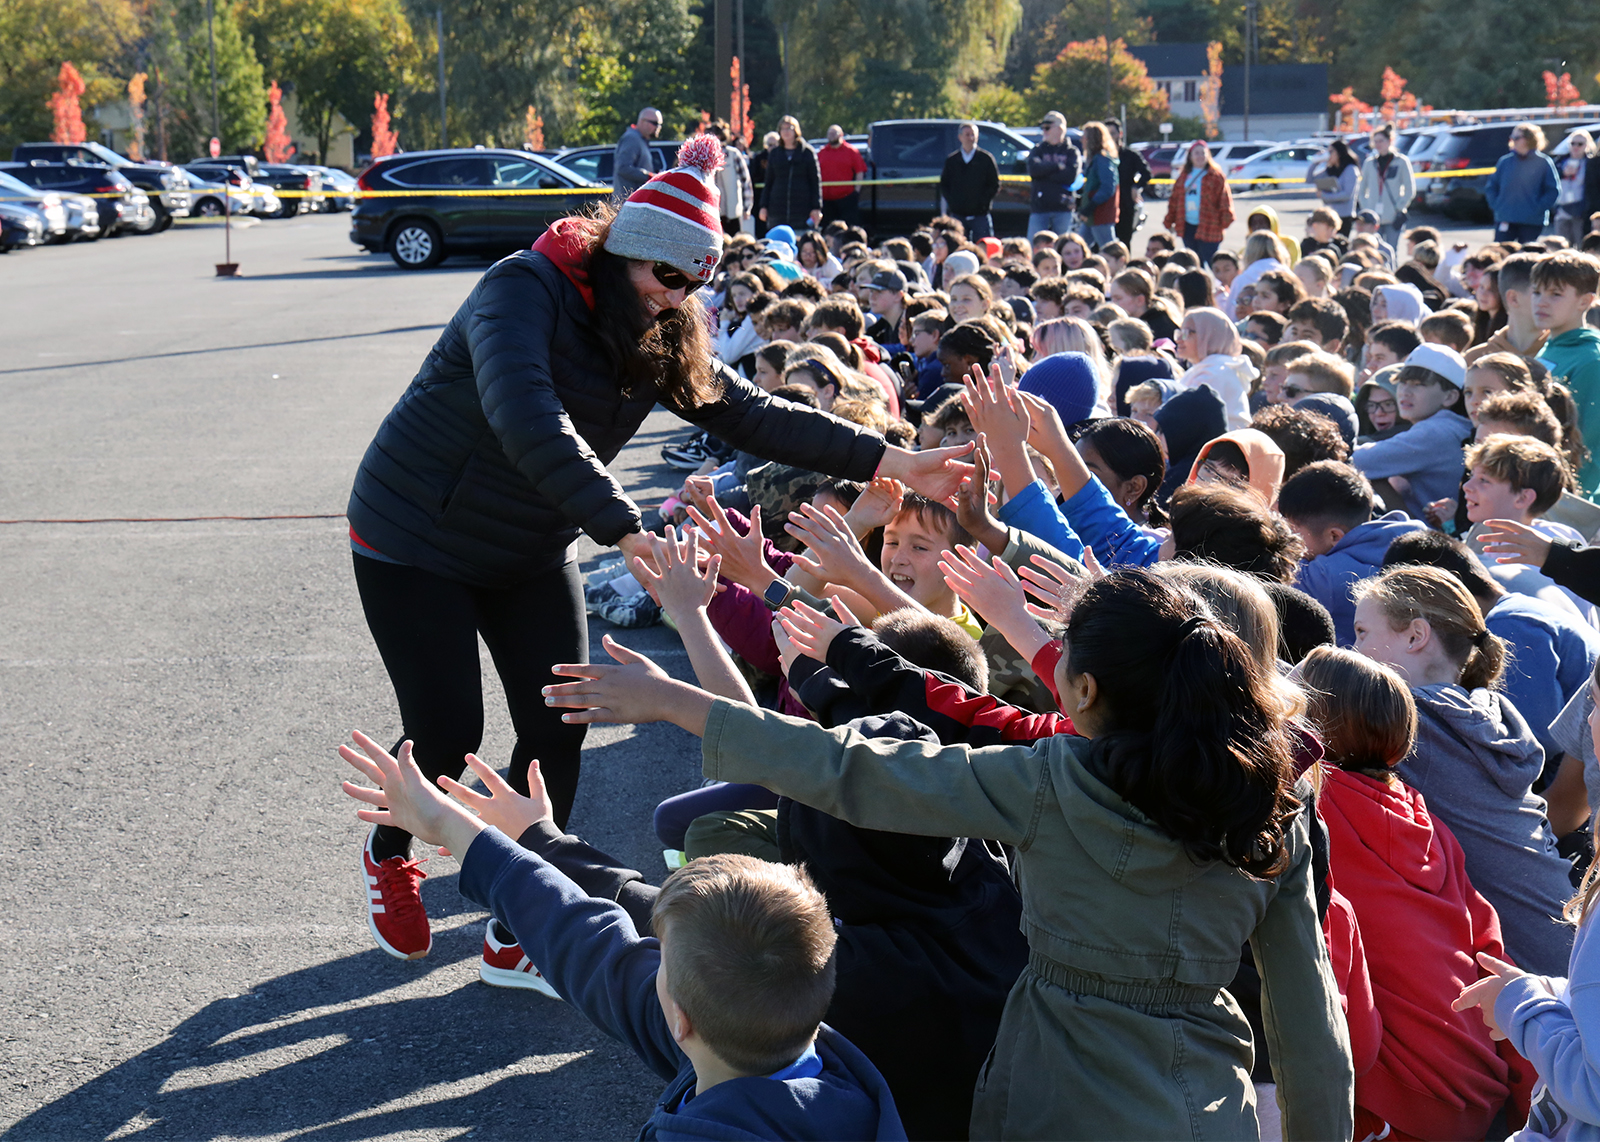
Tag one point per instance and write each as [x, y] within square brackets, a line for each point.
[394, 908]
[504, 965]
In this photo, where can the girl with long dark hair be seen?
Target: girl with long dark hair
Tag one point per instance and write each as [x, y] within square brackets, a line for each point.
[1152, 843]
[468, 503]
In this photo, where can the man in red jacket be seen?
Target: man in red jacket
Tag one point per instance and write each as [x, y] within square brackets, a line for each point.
[843, 166]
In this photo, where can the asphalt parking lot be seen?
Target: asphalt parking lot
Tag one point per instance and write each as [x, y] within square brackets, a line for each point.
[185, 953]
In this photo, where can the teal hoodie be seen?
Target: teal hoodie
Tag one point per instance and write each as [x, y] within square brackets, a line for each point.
[1574, 360]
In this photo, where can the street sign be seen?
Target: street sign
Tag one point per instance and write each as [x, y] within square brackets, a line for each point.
[1166, 128]
[216, 145]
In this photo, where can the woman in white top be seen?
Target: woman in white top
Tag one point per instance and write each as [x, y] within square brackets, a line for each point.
[1262, 253]
[815, 259]
[736, 329]
[1209, 342]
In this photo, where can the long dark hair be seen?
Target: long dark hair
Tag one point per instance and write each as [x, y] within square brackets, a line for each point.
[671, 351]
[1340, 156]
[1194, 286]
[1195, 736]
[1130, 449]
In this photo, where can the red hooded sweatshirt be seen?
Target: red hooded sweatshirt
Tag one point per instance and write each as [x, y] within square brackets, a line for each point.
[1438, 1074]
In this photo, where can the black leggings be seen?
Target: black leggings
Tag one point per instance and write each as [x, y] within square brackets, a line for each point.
[427, 627]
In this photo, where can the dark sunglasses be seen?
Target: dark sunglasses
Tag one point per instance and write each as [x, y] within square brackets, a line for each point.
[674, 278]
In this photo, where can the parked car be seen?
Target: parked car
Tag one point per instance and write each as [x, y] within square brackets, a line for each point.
[597, 164]
[83, 218]
[19, 225]
[267, 176]
[249, 197]
[47, 203]
[208, 196]
[1472, 148]
[165, 185]
[1158, 157]
[1287, 162]
[917, 148]
[123, 207]
[419, 227]
[340, 188]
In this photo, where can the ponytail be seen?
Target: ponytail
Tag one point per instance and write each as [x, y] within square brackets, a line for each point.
[1195, 735]
[1418, 591]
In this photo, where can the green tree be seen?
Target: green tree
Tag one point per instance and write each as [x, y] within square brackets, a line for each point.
[1047, 26]
[335, 53]
[1074, 83]
[36, 36]
[176, 51]
[638, 53]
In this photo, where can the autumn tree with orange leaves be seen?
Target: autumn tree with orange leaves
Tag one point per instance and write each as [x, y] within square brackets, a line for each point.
[64, 106]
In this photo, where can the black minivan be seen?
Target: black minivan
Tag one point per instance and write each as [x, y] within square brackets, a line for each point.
[418, 226]
[1472, 148]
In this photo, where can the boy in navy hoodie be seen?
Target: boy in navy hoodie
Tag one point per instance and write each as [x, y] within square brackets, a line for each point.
[727, 1002]
[1329, 506]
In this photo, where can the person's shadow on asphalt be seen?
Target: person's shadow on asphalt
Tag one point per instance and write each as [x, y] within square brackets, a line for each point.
[322, 1053]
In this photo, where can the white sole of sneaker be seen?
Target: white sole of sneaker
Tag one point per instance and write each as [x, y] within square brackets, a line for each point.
[526, 981]
[372, 925]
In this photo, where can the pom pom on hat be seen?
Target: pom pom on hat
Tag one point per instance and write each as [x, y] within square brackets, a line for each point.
[674, 218]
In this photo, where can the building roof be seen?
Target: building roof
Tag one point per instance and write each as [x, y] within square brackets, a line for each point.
[1277, 89]
[1167, 61]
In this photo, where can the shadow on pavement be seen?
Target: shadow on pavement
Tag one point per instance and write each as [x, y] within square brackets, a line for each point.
[323, 1053]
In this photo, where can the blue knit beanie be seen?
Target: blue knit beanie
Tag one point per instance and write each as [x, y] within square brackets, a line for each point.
[1067, 381]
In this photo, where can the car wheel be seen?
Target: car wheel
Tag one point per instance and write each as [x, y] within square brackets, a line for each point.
[164, 222]
[415, 245]
[1162, 192]
[208, 208]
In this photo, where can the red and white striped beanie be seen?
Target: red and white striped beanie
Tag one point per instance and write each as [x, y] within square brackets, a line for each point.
[674, 218]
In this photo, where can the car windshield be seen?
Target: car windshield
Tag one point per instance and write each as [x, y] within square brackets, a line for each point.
[106, 155]
[561, 169]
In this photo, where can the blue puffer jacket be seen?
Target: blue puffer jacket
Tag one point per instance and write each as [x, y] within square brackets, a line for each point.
[1523, 188]
[495, 456]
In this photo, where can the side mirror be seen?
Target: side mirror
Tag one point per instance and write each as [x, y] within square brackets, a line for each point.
[549, 183]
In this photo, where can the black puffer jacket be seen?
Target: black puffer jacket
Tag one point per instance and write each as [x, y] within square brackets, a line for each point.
[494, 458]
[794, 186]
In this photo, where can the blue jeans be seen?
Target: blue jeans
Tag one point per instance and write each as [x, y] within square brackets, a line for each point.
[1059, 221]
[1098, 236]
[1205, 251]
[1517, 231]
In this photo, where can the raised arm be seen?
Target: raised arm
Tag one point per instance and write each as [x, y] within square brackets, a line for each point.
[684, 592]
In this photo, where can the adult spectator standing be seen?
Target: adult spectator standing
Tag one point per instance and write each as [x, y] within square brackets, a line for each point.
[1201, 207]
[841, 165]
[1580, 188]
[1336, 186]
[733, 182]
[467, 503]
[634, 166]
[968, 184]
[1523, 187]
[1133, 175]
[793, 195]
[1053, 167]
[1386, 186]
[1100, 186]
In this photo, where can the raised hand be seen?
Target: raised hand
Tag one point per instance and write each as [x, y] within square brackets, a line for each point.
[1513, 542]
[811, 631]
[934, 472]
[787, 650]
[404, 797]
[996, 408]
[696, 491]
[634, 690]
[680, 586]
[995, 592]
[503, 807]
[744, 559]
[972, 504]
[1055, 586]
[876, 506]
[833, 552]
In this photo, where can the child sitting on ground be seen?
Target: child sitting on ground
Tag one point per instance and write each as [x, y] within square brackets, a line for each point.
[1551, 1021]
[1475, 758]
[1437, 1074]
[1329, 505]
[1423, 463]
[726, 1002]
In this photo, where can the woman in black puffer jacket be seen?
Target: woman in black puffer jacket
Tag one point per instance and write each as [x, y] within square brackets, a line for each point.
[468, 502]
[793, 192]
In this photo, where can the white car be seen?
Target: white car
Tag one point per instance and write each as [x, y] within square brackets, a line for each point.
[1287, 162]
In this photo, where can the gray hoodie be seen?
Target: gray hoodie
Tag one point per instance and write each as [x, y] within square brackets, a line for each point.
[1475, 762]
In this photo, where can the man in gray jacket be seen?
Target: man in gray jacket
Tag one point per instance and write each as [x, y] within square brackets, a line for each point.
[634, 165]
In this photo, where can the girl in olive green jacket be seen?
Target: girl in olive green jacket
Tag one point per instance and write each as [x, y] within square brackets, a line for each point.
[1149, 850]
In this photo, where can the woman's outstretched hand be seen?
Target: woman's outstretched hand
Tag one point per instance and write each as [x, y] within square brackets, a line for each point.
[633, 690]
[935, 473]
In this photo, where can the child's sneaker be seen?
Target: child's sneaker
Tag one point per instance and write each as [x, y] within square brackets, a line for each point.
[504, 965]
[629, 611]
[598, 594]
[395, 914]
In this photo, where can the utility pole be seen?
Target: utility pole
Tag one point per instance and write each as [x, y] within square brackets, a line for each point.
[721, 61]
[444, 127]
[1249, 52]
[211, 42]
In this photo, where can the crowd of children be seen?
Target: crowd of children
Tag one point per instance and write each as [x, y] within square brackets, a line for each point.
[1219, 762]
